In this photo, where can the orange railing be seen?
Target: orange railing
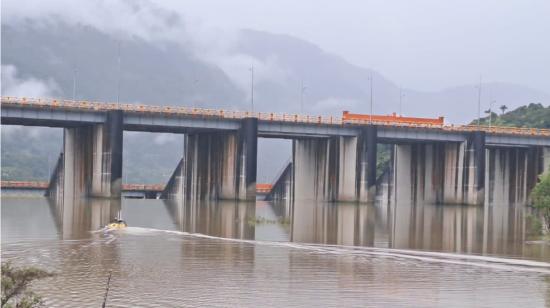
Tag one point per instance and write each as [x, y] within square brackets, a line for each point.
[263, 188]
[168, 110]
[24, 184]
[351, 119]
[260, 187]
[44, 185]
[393, 118]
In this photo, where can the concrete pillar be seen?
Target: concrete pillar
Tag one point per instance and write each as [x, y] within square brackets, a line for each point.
[92, 161]
[311, 169]
[512, 173]
[367, 149]
[249, 150]
[476, 158]
[431, 173]
[217, 166]
[335, 168]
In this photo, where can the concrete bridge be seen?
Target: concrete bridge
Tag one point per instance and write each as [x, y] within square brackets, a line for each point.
[332, 159]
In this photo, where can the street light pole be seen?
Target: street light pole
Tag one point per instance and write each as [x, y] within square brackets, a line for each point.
[371, 98]
[74, 83]
[401, 101]
[302, 90]
[479, 103]
[252, 87]
[118, 76]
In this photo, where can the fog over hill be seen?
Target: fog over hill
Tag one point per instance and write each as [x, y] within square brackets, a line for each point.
[167, 63]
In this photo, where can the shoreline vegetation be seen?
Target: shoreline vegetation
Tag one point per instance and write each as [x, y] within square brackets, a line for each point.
[540, 201]
[15, 286]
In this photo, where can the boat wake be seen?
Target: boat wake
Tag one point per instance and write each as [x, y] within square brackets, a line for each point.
[497, 263]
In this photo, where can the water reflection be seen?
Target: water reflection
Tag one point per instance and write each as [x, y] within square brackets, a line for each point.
[227, 219]
[76, 220]
[488, 230]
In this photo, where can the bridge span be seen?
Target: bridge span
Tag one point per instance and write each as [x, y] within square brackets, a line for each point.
[332, 159]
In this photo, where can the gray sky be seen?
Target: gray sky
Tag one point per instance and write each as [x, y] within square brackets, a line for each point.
[423, 44]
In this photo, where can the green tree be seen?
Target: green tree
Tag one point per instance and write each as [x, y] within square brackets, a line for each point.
[541, 198]
[15, 282]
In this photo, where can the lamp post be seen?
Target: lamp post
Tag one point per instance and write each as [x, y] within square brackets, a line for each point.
[74, 83]
[479, 103]
[118, 76]
[302, 91]
[371, 98]
[401, 95]
[252, 87]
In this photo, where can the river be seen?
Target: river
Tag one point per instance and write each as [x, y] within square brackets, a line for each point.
[229, 254]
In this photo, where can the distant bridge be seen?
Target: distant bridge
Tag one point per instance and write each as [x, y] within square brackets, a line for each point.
[333, 159]
[148, 191]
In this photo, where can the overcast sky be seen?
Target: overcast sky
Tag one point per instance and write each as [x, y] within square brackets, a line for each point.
[423, 45]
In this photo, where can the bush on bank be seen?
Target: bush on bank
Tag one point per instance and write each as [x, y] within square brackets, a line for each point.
[15, 282]
[541, 200]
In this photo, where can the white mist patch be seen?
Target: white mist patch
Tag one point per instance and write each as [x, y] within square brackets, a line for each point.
[13, 85]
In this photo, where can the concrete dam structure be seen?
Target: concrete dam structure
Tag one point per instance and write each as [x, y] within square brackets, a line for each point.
[332, 160]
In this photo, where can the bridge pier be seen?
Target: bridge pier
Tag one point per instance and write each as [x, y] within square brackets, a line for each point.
[450, 173]
[335, 168]
[91, 163]
[513, 172]
[217, 165]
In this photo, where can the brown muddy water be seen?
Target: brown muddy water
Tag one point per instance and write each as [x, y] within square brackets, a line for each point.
[244, 255]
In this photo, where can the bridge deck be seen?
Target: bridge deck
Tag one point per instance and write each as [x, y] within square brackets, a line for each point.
[62, 113]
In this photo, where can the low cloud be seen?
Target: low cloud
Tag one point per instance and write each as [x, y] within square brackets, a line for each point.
[13, 85]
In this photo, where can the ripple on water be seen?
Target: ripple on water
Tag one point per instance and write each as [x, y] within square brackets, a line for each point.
[157, 268]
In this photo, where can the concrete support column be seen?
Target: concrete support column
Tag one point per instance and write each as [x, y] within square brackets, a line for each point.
[249, 151]
[312, 170]
[92, 163]
[217, 166]
[512, 173]
[367, 149]
[428, 173]
[335, 168]
[474, 169]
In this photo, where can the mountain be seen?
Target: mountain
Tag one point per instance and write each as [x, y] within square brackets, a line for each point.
[150, 73]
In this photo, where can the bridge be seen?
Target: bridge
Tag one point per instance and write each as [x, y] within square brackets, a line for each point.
[333, 159]
[142, 191]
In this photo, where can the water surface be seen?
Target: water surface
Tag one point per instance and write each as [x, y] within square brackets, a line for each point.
[314, 254]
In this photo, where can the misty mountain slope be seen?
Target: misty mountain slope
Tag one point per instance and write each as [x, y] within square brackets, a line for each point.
[334, 84]
[150, 73]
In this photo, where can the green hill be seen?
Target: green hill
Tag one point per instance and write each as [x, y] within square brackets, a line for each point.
[532, 115]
